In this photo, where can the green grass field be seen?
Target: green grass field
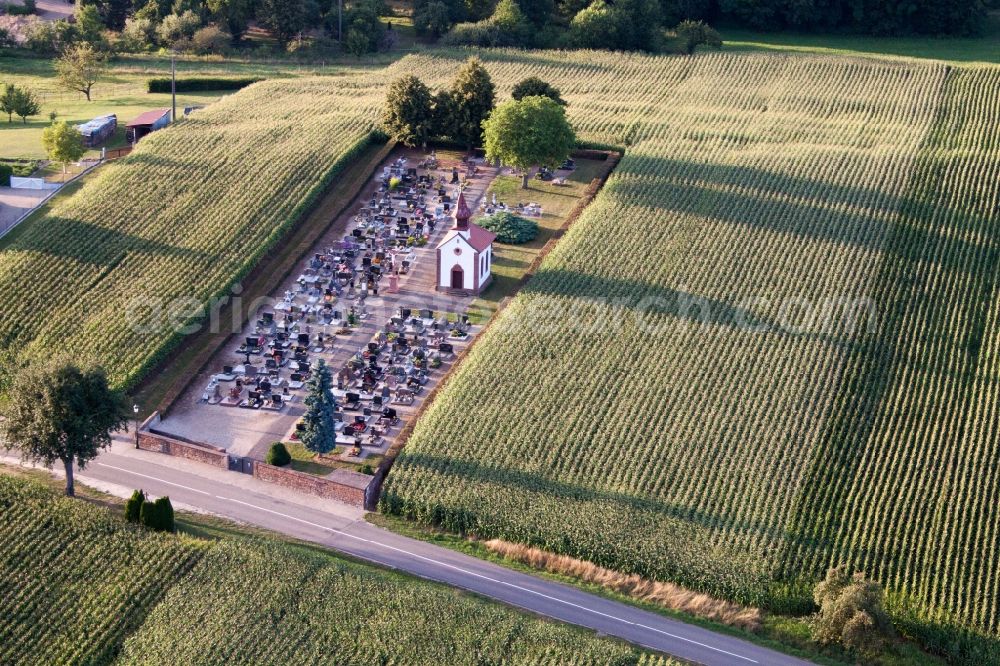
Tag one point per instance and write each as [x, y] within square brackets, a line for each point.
[123, 92]
[82, 586]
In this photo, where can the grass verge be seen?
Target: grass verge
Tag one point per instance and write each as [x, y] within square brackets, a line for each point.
[790, 635]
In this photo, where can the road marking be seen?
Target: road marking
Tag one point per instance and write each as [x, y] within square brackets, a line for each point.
[493, 580]
[152, 478]
[440, 564]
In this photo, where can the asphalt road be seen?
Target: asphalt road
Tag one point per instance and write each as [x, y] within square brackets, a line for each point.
[368, 542]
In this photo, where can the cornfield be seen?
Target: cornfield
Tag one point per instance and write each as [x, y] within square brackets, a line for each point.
[81, 586]
[75, 581]
[767, 348]
[262, 603]
[186, 215]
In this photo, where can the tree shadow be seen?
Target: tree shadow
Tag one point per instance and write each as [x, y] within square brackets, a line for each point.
[471, 470]
[650, 303]
[96, 245]
[804, 207]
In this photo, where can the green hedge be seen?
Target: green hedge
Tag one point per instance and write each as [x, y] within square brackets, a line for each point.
[509, 228]
[199, 84]
[6, 171]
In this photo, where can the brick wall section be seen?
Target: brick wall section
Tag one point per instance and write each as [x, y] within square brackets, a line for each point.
[149, 441]
[314, 485]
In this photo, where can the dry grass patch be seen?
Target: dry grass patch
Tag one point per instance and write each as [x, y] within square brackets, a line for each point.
[667, 595]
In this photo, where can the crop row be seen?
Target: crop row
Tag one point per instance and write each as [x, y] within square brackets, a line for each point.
[712, 379]
[263, 603]
[75, 581]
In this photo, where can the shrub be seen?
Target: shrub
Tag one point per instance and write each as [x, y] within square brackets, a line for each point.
[133, 507]
[535, 87]
[6, 171]
[432, 19]
[506, 27]
[148, 515]
[27, 9]
[138, 35]
[164, 514]
[50, 38]
[626, 25]
[177, 28]
[211, 39]
[692, 34]
[278, 455]
[367, 469]
[851, 612]
[198, 84]
[511, 229]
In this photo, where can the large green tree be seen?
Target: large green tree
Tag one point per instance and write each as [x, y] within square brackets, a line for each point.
[234, 14]
[472, 97]
[80, 67]
[319, 434]
[63, 143]
[408, 115]
[535, 87]
[284, 19]
[523, 133]
[57, 411]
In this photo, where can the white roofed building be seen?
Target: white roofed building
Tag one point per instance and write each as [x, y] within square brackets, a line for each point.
[465, 255]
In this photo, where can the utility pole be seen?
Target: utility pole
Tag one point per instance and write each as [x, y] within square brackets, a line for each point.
[173, 87]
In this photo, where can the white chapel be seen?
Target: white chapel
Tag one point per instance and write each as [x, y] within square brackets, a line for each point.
[465, 254]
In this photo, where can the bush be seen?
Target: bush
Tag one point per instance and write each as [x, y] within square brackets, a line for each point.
[211, 39]
[198, 84]
[50, 37]
[148, 515]
[158, 515]
[511, 229]
[692, 34]
[6, 171]
[165, 515]
[133, 507]
[18, 167]
[625, 25]
[535, 87]
[367, 469]
[175, 29]
[432, 19]
[27, 9]
[138, 35]
[278, 455]
[506, 27]
[852, 613]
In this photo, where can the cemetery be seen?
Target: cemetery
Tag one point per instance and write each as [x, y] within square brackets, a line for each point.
[383, 305]
[365, 305]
